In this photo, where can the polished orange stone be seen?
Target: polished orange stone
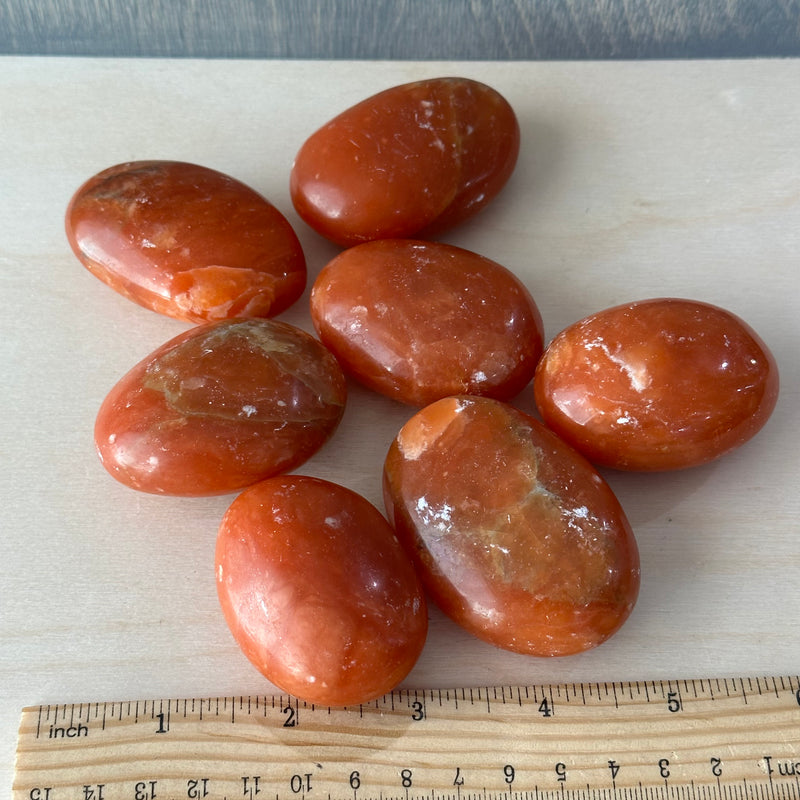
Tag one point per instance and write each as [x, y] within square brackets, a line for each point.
[318, 592]
[186, 241]
[657, 385]
[220, 407]
[412, 160]
[515, 535]
[418, 321]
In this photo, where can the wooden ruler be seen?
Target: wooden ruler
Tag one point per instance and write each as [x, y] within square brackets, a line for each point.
[719, 739]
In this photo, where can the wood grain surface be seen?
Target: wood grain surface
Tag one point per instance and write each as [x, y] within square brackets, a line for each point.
[712, 739]
[403, 29]
[635, 180]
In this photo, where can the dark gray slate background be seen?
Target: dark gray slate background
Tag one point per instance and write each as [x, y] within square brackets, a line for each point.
[403, 29]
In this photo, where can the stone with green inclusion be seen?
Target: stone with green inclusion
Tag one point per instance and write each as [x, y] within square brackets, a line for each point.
[515, 535]
[220, 407]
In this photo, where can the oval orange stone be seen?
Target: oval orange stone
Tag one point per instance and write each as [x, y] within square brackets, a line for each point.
[411, 160]
[515, 535]
[220, 407]
[418, 321]
[186, 241]
[657, 385]
[318, 592]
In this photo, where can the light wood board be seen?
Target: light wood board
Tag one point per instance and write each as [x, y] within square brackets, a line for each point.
[635, 180]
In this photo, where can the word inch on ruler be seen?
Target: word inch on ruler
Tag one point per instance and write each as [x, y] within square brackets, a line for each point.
[719, 739]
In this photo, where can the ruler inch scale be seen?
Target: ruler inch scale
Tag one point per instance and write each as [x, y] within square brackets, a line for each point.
[687, 739]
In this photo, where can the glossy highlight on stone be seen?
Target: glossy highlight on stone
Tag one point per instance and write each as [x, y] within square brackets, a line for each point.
[409, 161]
[318, 592]
[186, 241]
[515, 535]
[418, 321]
[220, 407]
[657, 384]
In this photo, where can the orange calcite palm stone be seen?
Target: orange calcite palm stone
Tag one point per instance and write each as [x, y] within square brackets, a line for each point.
[186, 241]
[515, 535]
[418, 321]
[220, 407]
[413, 159]
[657, 385]
[318, 592]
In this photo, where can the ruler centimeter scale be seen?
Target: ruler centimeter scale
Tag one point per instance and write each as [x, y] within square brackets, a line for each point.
[718, 739]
